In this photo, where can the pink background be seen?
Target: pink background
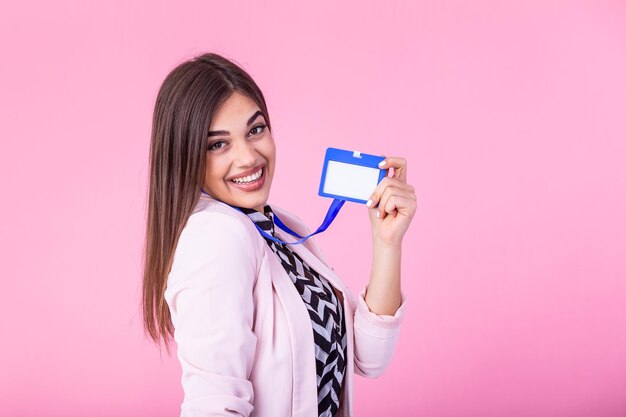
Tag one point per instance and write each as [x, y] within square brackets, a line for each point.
[512, 117]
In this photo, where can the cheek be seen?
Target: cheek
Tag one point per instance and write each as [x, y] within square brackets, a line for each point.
[216, 169]
[269, 150]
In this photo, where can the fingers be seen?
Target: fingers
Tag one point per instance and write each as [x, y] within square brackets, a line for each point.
[387, 188]
[384, 183]
[394, 199]
[398, 164]
[398, 204]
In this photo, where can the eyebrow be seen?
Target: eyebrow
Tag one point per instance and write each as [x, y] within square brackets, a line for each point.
[226, 132]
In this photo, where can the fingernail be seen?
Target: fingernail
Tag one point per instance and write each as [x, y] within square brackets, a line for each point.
[382, 163]
[369, 202]
[378, 214]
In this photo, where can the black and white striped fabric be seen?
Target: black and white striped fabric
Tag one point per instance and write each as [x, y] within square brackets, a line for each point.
[326, 314]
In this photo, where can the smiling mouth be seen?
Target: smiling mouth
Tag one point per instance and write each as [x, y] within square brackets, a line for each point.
[249, 179]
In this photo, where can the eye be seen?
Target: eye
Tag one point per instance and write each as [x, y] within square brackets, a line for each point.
[258, 129]
[214, 146]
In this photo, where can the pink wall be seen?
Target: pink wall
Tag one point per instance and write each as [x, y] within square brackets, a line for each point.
[512, 117]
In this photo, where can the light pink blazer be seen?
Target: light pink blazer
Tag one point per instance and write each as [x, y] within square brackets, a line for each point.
[243, 334]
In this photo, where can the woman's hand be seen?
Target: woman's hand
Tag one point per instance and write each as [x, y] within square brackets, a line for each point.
[392, 204]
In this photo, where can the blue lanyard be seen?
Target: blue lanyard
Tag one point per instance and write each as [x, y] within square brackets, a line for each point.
[333, 210]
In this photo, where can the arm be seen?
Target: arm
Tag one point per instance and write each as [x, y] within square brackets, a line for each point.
[391, 209]
[209, 293]
[383, 295]
[381, 305]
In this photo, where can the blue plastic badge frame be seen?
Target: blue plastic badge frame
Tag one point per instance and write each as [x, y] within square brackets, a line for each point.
[353, 158]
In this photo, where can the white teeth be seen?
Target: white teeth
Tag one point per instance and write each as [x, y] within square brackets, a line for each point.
[249, 178]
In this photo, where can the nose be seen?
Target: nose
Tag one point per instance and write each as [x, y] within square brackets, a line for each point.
[245, 153]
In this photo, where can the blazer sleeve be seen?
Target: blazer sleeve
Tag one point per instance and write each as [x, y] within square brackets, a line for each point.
[210, 296]
[375, 336]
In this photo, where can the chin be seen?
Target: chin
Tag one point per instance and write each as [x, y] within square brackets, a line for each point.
[250, 202]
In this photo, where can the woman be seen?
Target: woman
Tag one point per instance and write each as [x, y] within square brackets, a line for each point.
[262, 328]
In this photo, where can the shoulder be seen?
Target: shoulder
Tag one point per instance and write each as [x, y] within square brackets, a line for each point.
[215, 226]
[215, 212]
[220, 216]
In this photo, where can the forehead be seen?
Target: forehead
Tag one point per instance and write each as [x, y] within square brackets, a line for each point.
[234, 112]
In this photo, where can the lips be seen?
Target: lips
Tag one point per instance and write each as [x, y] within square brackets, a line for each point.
[252, 185]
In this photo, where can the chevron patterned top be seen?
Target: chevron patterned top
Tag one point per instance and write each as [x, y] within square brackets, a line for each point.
[326, 314]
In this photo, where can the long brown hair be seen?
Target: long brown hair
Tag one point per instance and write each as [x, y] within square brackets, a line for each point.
[186, 103]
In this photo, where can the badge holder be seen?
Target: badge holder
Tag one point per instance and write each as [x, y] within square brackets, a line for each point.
[346, 176]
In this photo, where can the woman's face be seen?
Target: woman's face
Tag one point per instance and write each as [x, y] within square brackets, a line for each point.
[241, 154]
